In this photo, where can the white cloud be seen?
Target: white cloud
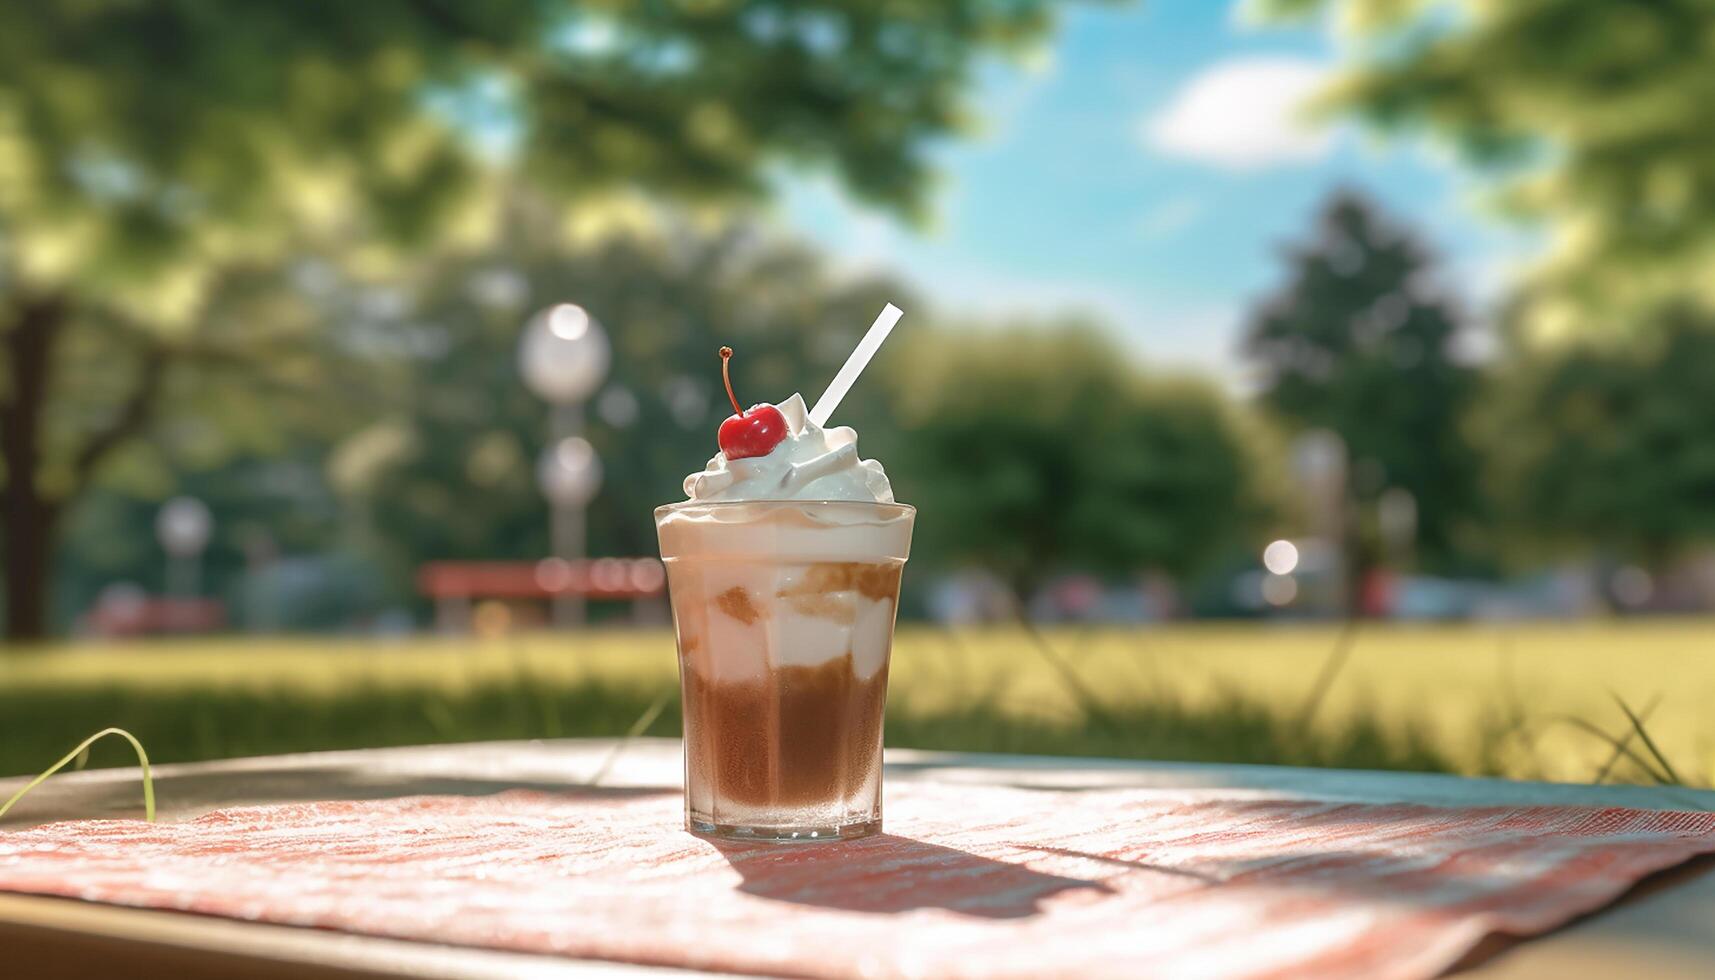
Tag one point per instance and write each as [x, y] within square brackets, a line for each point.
[1242, 114]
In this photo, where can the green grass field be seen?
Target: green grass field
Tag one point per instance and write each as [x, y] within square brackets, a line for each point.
[1530, 701]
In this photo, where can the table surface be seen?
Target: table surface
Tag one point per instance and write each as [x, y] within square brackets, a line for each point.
[1665, 928]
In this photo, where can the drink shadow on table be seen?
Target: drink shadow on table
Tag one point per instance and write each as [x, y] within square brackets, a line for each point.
[889, 874]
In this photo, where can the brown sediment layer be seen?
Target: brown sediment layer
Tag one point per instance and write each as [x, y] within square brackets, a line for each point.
[821, 592]
[736, 602]
[868, 579]
[803, 736]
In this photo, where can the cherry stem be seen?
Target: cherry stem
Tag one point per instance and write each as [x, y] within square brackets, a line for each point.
[726, 376]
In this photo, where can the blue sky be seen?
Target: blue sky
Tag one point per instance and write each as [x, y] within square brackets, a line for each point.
[1147, 173]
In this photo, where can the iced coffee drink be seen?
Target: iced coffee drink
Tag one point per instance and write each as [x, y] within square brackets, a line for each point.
[784, 567]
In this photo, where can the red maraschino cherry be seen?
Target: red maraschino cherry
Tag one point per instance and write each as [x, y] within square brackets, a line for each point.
[753, 433]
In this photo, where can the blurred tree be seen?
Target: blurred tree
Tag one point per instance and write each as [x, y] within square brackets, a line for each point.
[1041, 451]
[1594, 116]
[442, 467]
[1612, 444]
[1361, 341]
[150, 151]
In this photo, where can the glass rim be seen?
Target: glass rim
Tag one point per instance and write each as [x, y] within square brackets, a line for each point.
[892, 509]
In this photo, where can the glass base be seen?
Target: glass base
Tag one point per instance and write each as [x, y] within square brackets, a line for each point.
[780, 835]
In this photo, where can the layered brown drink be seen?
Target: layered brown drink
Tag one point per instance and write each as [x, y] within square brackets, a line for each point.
[784, 612]
[784, 568]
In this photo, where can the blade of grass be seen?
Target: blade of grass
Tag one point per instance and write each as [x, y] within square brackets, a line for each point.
[637, 728]
[1618, 745]
[83, 747]
[1649, 743]
[1331, 667]
[1608, 766]
[1075, 686]
[1080, 692]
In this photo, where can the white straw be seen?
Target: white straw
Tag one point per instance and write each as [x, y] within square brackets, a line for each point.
[855, 364]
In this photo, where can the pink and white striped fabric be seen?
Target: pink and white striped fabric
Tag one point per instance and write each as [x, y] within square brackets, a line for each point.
[969, 881]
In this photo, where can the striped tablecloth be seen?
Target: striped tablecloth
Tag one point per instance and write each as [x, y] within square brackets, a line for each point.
[969, 881]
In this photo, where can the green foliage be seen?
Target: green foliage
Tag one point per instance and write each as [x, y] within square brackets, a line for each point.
[1611, 444]
[421, 442]
[1039, 451]
[1592, 115]
[1360, 341]
[260, 371]
[141, 145]
[162, 163]
[428, 450]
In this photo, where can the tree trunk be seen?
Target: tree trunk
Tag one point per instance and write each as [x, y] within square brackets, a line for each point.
[29, 515]
[29, 565]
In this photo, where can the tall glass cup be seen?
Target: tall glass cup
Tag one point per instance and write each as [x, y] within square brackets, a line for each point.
[784, 611]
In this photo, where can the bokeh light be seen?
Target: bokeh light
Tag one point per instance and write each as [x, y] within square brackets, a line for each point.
[1280, 557]
[1279, 590]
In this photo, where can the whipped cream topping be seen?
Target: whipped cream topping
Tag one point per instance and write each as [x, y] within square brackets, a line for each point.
[811, 463]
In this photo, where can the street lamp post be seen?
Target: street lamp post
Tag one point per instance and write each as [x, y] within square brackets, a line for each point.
[563, 358]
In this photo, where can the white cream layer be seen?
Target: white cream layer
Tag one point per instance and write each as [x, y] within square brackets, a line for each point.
[771, 629]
